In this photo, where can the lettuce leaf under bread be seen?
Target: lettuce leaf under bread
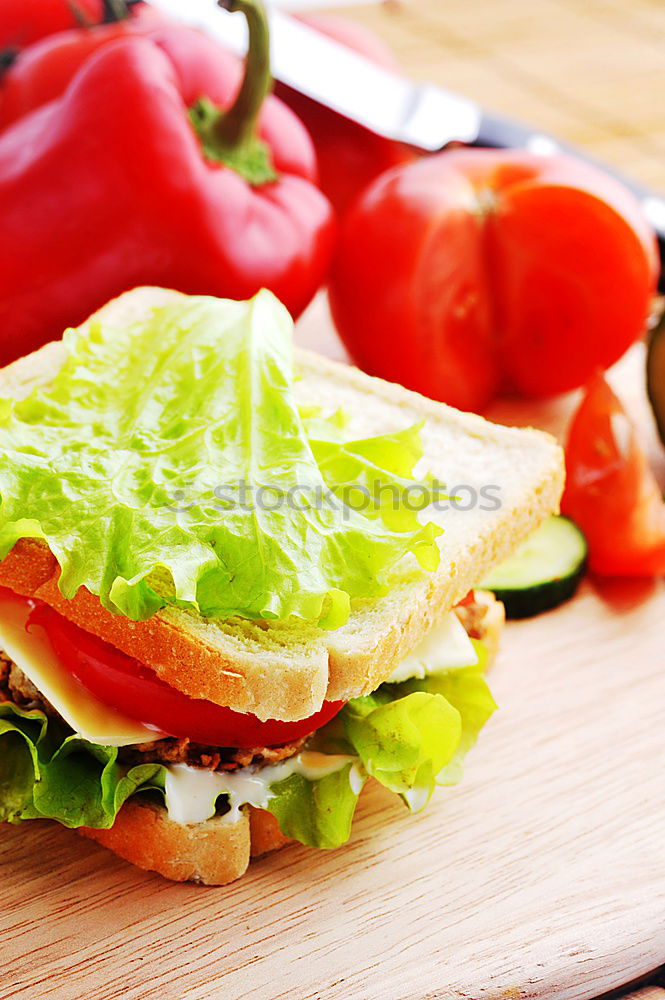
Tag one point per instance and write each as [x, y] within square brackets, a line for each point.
[131, 466]
[410, 737]
[408, 740]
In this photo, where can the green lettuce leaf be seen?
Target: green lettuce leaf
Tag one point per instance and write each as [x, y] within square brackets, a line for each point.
[404, 742]
[468, 692]
[160, 467]
[48, 773]
[317, 813]
[20, 733]
[409, 737]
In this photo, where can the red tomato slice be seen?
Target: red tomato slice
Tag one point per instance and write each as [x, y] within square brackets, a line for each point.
[127, 685]
[611, 492]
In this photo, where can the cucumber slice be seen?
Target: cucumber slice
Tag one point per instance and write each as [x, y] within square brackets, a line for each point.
[656, 375]
[543, 572]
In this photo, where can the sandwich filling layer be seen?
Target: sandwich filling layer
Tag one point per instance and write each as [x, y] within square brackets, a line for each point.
[33, 677]
[411, 734]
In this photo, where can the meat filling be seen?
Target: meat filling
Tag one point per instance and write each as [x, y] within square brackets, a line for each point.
[472, 617]
[18, 688]
[184, 751]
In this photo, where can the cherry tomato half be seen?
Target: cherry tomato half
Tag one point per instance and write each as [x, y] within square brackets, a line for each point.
[611, 492]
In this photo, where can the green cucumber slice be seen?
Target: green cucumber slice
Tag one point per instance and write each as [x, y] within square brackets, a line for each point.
[543, 572]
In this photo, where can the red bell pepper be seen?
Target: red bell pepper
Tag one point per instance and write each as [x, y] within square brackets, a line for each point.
[23, 22]
[136, 177]
[43, 71]
[611, 492]
[350, 156]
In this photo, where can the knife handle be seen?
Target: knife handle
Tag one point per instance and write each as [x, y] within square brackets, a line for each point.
[497, 132]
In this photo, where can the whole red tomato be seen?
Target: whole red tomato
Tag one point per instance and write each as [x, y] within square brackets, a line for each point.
[478, 271]
[350, 157]
[611, 492]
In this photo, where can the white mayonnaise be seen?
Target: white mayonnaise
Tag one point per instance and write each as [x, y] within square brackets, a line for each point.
[191, 792]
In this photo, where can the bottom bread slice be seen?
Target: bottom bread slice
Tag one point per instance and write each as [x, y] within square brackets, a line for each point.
[212, 853]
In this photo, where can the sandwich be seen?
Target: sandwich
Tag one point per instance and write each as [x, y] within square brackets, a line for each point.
[237, 583]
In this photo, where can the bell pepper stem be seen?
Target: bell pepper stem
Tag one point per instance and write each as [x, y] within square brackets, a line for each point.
[229, 137]
[8, 57]
[117, 10]
[237, 126]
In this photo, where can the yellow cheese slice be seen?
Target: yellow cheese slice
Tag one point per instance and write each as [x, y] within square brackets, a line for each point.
[86, 714]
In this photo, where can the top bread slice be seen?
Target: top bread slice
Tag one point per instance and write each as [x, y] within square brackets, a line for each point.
[285, 670]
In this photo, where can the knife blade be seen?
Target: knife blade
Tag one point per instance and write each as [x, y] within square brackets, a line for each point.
[422, 115]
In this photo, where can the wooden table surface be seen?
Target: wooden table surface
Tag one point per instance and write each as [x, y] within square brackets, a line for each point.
[541, 877]
[589, 71]
[543, 874]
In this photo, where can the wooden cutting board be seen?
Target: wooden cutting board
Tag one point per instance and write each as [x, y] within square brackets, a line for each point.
[542, 875]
